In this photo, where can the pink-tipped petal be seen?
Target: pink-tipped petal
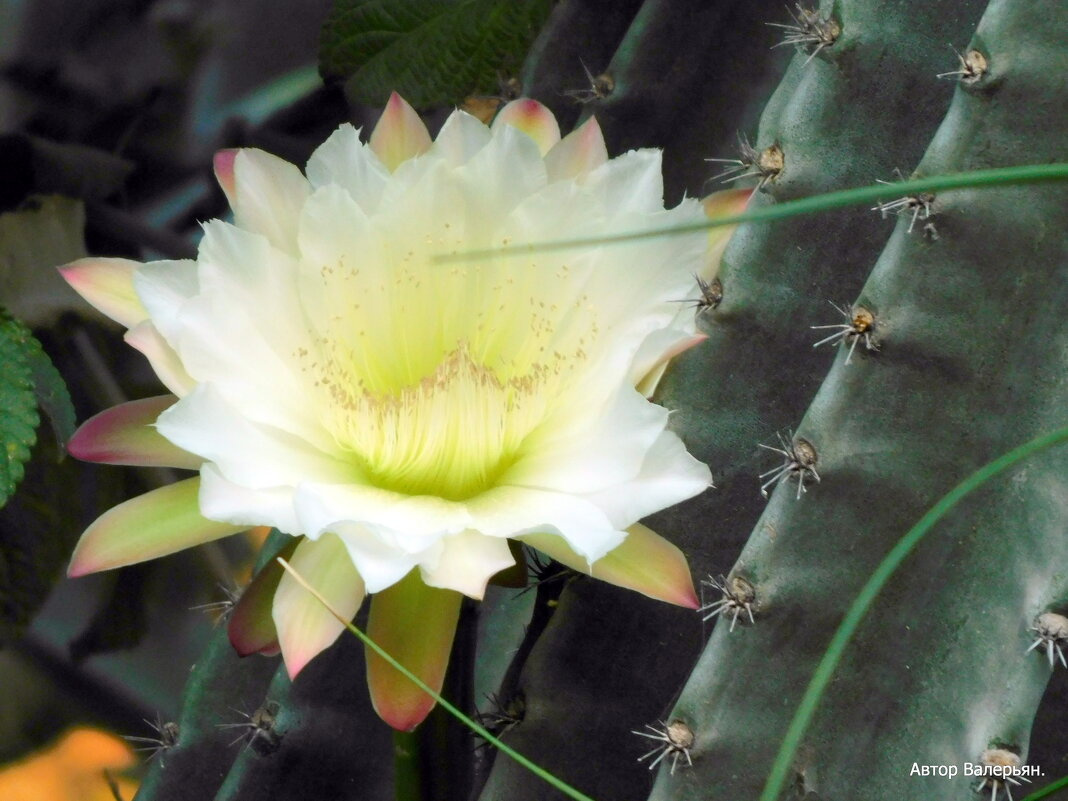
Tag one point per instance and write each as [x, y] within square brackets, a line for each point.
[224, 173]
[251, 626]
[305, 626]
[165, 362]
[126, 434]
[533, 119]
[648, 383]
[155, 524]
[269, 194]
[415, 624]
[107, 284]
[399, 134]
[725, 203]
[645, 562]
[578, 153]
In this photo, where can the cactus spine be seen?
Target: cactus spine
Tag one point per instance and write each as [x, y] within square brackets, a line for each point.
[939, 673]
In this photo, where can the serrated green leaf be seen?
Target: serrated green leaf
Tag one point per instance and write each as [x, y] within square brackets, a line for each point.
[433, 52]
[18, 405]
[51, 392]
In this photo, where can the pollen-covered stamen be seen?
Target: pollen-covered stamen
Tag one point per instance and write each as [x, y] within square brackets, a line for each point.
[799, 459]
[437, 399]
[859, 325]
[1000, 768]
[737, 596]
[675, 738]
[1052, 631]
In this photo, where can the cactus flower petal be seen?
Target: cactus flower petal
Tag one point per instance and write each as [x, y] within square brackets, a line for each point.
[304, 625]
[399, 135]
[578, 153]
[344, 161]
[410, 605]
[657, 353]
[467, 562]
[168, 367]
[645, 562]
[155, 524]
[725, 203]
[223, 163]
[533, 119]
[126, 434]
[108, 285]
[460, 138]
[412, 419]
[268, 196]
[251, 625]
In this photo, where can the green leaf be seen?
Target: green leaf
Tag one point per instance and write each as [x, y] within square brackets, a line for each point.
[51, 392]
[433, 52]
[18, 405]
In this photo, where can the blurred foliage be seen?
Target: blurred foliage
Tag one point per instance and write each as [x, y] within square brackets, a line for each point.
[79, 767]
[109, 113]
[44, 231]
[433, 52]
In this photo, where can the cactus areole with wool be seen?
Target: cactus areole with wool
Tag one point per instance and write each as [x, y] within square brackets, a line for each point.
[405, 417]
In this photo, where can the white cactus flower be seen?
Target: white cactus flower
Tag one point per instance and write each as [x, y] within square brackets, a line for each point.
[406, 417]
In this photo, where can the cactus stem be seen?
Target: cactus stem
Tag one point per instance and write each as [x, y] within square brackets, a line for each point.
[799, 460]
[711, 295]
[257, 727]
[922, 203]
[601, 86]
[808, 29]
[738, 596]
[767, 164]
[972, 67]
[502, 715]
[167, 737]
[221, 610]
[1052, 630]
[860, 325]
[999, 769]
[676, 738]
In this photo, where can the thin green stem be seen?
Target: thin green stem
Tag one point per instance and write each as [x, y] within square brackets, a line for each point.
[1048, 790]
[478, 729]
[408, 776]
[977, 179]
[891, 562]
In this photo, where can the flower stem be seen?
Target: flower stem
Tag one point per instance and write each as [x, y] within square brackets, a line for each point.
[407, 767]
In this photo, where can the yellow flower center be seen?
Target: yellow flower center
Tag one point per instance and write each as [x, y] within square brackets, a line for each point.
[438, 401]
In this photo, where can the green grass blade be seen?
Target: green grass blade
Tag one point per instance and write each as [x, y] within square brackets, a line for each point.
[1048, 790]
[1002, 176]
[833, 655]
[478, 729]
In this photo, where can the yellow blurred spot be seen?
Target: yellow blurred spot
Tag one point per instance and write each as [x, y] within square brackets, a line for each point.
[482, 107]
[71, 769]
